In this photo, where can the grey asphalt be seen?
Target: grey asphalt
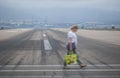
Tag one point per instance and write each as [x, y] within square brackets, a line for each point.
[24, 56]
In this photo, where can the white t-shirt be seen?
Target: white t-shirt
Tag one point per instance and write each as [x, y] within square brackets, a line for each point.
[73, 36]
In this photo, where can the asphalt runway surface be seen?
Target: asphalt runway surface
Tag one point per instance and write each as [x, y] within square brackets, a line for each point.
[40, 54]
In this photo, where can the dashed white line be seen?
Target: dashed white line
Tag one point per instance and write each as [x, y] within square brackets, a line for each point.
[44, 35]
[47, 45]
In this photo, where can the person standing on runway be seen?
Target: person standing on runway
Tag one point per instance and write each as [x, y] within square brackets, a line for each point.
[72, 44]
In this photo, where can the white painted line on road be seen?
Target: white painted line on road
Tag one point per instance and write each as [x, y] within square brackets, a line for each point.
[69, 70]
[101, 65]
[44, 35]
[107, 76]
[47, 45]
[13, 30]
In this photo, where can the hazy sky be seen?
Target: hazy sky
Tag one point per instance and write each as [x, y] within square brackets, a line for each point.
[62, 10]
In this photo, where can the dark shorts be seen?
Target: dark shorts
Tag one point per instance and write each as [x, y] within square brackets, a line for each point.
[73, 46]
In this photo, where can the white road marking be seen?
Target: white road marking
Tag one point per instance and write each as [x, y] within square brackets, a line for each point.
[11, 31]
[69, 70]
[101, 65]
[44, 35]
[108, 76]
[47, 45]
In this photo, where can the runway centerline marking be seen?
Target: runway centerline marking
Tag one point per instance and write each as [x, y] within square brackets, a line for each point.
[44, 35]
[47, 45]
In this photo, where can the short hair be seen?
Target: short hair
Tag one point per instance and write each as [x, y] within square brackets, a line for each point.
[74, 27]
